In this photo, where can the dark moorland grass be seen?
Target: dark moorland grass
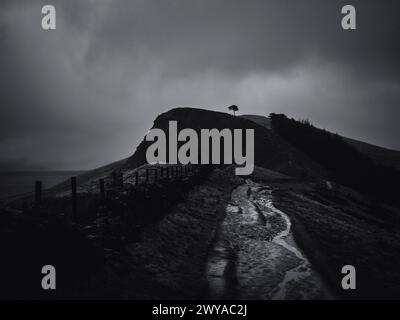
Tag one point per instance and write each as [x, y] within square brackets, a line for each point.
[340, 227]
[149, 241]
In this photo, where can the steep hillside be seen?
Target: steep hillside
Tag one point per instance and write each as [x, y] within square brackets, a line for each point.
[379, 155]
[386, 157]
[261, 120]
[271, 151]
[346, 165]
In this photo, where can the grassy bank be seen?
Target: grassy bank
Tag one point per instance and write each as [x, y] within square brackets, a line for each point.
[340, 227]
[168, 260]
[148, 241]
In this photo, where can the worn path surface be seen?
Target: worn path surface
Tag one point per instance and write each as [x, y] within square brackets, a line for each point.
[255, 256]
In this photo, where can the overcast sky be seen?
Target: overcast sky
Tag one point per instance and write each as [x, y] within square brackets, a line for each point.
[85, 94]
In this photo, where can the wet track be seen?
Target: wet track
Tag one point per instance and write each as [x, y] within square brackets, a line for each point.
[255, 256]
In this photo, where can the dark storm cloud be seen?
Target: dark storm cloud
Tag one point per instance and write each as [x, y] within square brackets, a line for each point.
[85, 94]
[243, 36]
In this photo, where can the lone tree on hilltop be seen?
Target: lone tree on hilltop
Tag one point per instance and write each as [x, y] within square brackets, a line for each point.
[233, 108]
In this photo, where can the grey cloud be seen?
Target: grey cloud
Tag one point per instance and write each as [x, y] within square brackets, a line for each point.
[85, 94]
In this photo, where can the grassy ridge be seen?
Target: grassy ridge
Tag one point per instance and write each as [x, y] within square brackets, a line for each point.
[345, 164]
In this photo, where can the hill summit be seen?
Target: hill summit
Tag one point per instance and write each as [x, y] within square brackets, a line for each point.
[270, 150]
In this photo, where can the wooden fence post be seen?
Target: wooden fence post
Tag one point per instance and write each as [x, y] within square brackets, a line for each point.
[167, 169]
[73, 198]
[121, 180]
[162, 172]
[114, 175]
[102, 190]
[38, 192]
[155, 175]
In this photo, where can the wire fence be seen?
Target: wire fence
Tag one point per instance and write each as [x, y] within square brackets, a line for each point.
[118, 181]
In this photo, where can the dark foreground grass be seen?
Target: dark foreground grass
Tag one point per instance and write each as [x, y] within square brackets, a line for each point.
[146, 243]
[340, 227]
[168, 261]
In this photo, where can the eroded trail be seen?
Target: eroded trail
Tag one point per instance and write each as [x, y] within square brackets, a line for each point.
[255, 255]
